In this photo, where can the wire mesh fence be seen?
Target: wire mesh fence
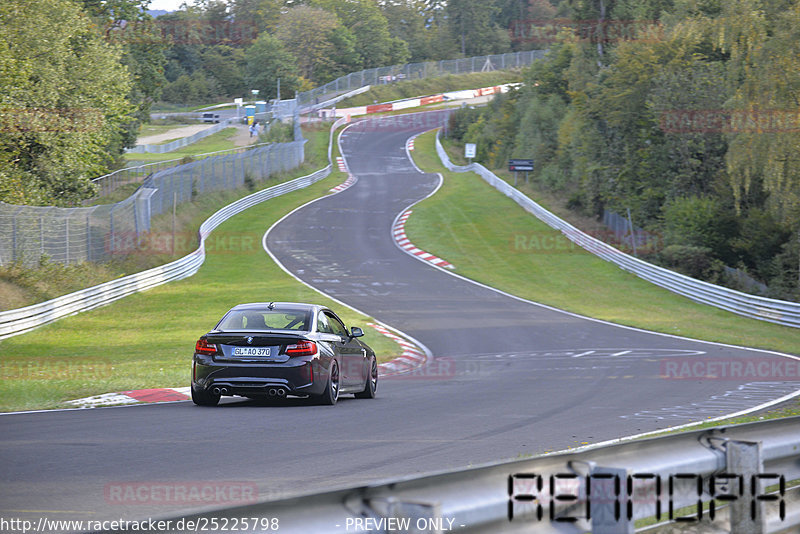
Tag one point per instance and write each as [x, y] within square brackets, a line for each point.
[307, 100]
[97, 233]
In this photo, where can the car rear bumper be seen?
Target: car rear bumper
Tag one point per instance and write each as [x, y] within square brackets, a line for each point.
[296, 377]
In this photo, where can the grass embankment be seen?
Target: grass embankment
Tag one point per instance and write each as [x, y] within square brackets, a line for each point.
[489, 238]
[429, 86]
[21, 286]
[146, 340]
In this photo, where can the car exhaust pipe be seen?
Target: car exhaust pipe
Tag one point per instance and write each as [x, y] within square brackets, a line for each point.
[223, 391]
[281, 392]
[272, 392]
[216, 391]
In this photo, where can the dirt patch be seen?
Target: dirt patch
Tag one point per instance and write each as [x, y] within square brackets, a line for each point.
[175, 133]
[12, 296]
[242, 136]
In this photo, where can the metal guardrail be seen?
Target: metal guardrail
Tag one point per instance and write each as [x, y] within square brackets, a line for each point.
[15, 322]
[781, 312]
[603, 489]
[308, 101]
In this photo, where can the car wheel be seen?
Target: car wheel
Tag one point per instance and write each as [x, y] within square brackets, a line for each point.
[204, 398]
[331, 393]
[372, 382]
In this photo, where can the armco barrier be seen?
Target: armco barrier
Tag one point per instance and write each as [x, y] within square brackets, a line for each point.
[600, 489]
[14, 322]
[775, 311]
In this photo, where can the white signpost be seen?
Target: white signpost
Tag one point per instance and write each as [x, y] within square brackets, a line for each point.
[469, 151]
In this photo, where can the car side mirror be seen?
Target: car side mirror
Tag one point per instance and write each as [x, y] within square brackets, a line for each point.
[356, 332]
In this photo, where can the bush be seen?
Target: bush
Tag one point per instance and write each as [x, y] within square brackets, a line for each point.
[697, 262]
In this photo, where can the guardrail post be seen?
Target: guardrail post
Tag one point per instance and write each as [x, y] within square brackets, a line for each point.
[747, 512]
[608, 501]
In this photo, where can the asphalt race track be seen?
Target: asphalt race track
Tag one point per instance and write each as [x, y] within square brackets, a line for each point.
[507, 378]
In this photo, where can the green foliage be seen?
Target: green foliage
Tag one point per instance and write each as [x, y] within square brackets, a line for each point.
[689, 131]
[267, 61]
[694, 261]
[63, 102]
[324, 48]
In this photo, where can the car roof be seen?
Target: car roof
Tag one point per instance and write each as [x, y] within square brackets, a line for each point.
[299, 306]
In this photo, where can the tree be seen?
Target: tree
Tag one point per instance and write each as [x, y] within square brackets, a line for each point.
[262, 14]
[323, 47]
[374, 44]
[226, 65]
[62, 101]
[472, 23]
[407, 21]
[268, 61]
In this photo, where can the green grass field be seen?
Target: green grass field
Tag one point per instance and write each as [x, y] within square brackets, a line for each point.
[489, 238]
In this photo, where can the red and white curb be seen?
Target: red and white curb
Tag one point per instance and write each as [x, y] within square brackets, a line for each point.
[341, 164]
[399, 232]
[134, 397]
[410, 144]
[411, 358]
[351, 180]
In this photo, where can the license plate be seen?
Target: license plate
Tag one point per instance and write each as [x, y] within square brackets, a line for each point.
[251, 351]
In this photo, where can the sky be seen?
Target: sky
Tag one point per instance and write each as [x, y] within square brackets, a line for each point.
[169, 5]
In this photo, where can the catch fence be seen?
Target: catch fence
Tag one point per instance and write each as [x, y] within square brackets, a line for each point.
[29, 234]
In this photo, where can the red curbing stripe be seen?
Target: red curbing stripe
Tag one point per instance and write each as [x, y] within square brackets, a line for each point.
[351, 180]
[399, 233]
[156, 395]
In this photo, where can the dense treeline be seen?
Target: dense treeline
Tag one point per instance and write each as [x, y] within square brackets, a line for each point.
[691, 122]
[307, 43]
[78, 77]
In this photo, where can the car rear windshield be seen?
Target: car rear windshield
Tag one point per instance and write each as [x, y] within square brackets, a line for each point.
[265, 320]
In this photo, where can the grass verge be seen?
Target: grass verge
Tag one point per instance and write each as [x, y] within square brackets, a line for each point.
[491, 239]
[146, 340]
[429, 86]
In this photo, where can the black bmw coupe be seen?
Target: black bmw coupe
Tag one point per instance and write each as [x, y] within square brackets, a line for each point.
[277, 349]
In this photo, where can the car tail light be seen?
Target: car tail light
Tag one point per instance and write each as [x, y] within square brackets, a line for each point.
[204, 347]
[303, 348]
